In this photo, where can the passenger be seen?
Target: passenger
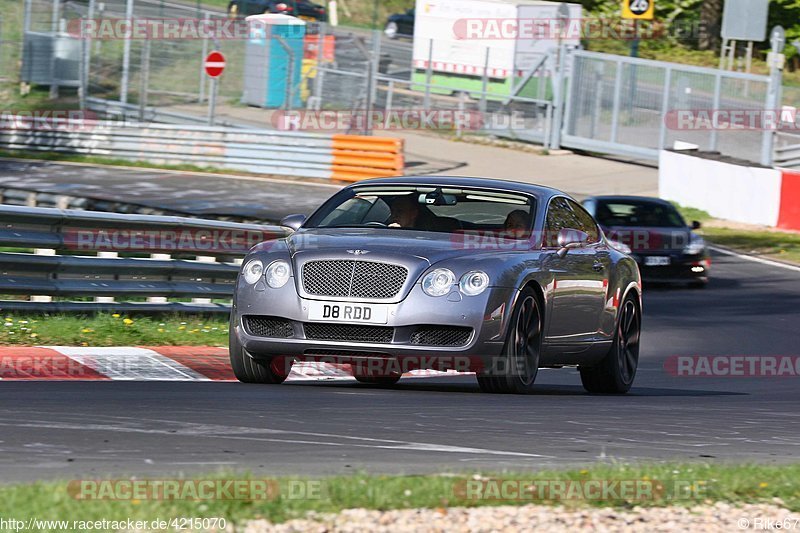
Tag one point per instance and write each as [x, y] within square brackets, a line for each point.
[517, 224]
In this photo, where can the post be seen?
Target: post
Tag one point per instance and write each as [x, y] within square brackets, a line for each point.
[54, 31]
[715, 108]
[426, 102]
[615, 111]
[126, 57]
[212, 102]
[662, 134]
[203, 78]
[86, 48]
[372, 82]
[772, 103]
[635, 40]
[558, 98]
[485, 81]
[388, 108]
[145, 79]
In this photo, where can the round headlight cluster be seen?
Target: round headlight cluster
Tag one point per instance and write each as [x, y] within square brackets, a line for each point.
[252, 271]
[278, 273]
[473, 283]
[440, 282]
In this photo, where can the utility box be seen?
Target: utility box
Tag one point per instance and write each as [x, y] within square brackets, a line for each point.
[273, 61]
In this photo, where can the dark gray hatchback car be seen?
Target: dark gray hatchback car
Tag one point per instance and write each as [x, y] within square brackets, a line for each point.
[447, 273]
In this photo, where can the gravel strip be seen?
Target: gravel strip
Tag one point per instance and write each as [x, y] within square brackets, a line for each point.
[719, 517]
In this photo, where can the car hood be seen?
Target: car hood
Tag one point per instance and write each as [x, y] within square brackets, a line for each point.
[650, 239]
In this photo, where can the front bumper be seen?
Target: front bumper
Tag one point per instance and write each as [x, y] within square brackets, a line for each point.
[484, 314]
[681, 268]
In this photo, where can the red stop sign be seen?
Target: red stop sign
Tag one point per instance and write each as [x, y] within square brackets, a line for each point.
[214, 64]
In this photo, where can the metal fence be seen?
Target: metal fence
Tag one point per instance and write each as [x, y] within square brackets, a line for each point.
[151, 263]
[570, 97]
[626, 105]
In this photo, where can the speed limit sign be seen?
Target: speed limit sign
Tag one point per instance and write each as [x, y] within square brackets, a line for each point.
[637, 9]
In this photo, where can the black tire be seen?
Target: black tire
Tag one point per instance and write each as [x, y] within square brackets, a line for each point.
[379, 380]
[248, 370]
[519, 362]
[615, 373]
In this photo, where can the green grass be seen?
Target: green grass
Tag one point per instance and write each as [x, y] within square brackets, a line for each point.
[782, 245]
[776, 244]
[112, 330]
[699, 483]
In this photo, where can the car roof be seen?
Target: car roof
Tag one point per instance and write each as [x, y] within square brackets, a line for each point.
[539, 191]
[623, 199]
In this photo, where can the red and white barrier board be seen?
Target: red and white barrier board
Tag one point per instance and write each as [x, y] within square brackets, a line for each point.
[162, 363]
[750, 194]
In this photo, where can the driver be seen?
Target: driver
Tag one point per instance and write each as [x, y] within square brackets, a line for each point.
[405, 212]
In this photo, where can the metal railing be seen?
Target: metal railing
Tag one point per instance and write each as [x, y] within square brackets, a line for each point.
[287, 153]
[151, 263]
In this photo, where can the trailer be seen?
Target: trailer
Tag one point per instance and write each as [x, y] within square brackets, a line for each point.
[458, 43]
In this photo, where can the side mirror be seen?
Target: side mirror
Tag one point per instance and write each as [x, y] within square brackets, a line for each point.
[695, 224]
[293, 221]
[570, 238]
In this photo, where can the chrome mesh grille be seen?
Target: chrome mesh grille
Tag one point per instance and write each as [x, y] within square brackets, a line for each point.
[268, 326]
[441, 336]
[346, 278]
[350, 333]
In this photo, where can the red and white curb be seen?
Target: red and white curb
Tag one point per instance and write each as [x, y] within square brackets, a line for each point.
[162, 363]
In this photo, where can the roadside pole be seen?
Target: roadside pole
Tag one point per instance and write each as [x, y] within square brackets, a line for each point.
[126, 57]
[214, 65]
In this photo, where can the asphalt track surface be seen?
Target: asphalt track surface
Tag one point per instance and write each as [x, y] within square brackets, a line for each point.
[63, 430]
[191, 193]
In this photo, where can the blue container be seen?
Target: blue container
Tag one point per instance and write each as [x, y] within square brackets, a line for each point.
[274, 53]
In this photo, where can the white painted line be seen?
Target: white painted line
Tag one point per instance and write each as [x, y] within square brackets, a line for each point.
[130, 364]
[754, 259]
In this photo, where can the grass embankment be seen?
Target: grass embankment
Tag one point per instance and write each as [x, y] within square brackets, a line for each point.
[776, 244]
[682, 485]
[112, 330]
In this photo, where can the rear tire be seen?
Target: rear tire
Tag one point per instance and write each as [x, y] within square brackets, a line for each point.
[615, 373]
[248, 370]
[523, 346]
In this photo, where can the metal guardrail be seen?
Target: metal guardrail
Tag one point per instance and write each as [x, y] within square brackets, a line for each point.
[289, 153]
[107, 255]
[787, 150]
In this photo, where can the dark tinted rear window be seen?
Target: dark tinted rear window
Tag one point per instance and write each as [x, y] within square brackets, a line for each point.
[632, 213]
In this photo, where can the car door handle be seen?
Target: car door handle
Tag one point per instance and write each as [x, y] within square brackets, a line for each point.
[598, 266]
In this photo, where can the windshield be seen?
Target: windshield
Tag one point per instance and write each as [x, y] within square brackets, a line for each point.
[430, 208]
[632, 213]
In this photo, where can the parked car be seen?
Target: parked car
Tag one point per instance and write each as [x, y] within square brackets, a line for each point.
[397, 274]
[400, 24]
[655, 234]
[298, 8]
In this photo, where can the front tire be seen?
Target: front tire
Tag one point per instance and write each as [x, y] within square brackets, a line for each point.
[520, 356]
[248, 370]
[614, 375]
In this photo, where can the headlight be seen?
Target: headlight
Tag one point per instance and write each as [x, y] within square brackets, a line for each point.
[438, 282]
[278, 273]
[473, 283]
[695, 246]
[252, 271]
[619, 246]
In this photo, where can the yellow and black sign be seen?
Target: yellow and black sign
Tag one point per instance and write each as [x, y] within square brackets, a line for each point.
[638, 9]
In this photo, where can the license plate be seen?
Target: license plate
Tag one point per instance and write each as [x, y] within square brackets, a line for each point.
[347, 312]
[656, 260]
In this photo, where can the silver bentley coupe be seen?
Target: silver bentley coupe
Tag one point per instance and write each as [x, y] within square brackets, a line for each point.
[478, 275]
